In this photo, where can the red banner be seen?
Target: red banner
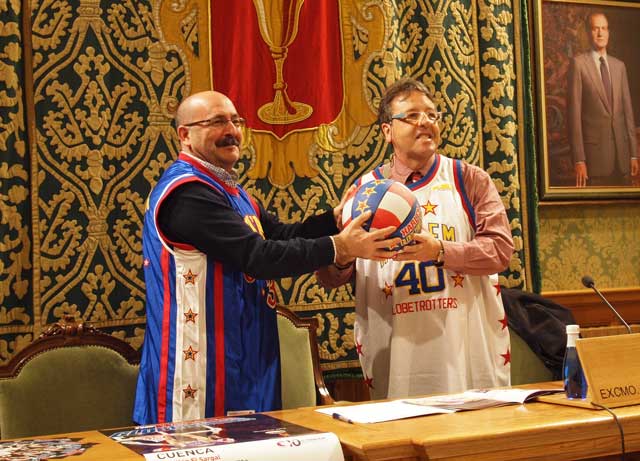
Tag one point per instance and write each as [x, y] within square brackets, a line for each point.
[305, 43]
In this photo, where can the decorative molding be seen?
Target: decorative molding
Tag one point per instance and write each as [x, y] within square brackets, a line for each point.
[589, 310]
[69, 327]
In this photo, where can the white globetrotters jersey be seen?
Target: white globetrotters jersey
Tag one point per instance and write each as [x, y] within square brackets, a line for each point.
[421, 329]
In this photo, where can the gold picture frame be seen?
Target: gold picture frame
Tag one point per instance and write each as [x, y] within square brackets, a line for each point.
[575, 121]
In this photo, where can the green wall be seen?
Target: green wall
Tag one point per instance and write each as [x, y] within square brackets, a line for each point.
[601, 240]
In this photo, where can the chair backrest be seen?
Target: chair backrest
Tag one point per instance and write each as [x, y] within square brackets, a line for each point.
[72, 378]
[526, 366]
[302, 381]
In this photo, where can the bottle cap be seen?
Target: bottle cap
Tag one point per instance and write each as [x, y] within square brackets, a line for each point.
[573, 329]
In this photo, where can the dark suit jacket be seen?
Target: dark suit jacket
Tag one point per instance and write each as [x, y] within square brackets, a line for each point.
[600, 135]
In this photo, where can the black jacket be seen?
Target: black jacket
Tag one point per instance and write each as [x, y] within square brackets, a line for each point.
[541, 323]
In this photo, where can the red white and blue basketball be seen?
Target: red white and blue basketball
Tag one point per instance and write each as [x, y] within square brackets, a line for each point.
[391, 204]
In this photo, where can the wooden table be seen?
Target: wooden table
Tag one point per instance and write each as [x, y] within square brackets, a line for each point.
[534, 431]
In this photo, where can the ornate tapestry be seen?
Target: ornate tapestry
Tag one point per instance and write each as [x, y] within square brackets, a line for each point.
[16, 313]
[106, 80]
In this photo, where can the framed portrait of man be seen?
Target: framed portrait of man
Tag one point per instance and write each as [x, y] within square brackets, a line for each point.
[588, 99]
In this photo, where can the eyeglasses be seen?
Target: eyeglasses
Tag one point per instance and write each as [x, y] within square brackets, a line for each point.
[219, 122]
[416, 118]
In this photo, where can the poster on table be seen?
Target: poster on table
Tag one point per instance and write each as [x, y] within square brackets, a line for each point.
[247, 438]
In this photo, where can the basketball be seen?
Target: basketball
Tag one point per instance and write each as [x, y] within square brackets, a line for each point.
[391, 204]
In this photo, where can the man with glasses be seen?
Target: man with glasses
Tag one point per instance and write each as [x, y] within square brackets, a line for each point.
[211, 341]
[432, 320]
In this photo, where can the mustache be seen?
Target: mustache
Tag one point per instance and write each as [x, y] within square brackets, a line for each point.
[228, 140]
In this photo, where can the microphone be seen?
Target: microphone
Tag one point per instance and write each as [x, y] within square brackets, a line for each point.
[588, 282]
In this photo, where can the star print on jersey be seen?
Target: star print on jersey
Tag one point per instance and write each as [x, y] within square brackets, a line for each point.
[387, 290]
[504, 322]
[457, 280]
[506, 357]
[189, 392]
[190, 316]
[497, 287]
[190, 278]
[190, 354]
[429, 208]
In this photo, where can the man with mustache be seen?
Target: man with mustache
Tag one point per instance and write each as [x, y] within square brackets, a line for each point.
[211, 341]
[431, 320]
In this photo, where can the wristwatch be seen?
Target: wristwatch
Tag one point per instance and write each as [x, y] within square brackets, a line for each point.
[439, 262]
[342, 267]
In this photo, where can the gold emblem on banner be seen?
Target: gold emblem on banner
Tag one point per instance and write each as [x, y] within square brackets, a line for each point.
[279, 36]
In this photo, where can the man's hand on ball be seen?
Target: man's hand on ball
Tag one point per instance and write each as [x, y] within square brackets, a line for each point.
[424, 247]
[337, 211]
[355, 242]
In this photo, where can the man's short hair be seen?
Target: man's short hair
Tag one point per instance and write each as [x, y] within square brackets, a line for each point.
[587, 21]
[398, 88]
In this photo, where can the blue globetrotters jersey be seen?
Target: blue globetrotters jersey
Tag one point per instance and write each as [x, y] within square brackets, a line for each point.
[211, 341]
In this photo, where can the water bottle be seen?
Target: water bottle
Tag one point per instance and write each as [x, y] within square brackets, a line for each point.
[575, 384]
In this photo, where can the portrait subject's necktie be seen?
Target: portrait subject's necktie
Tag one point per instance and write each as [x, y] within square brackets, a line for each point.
[606, 81]
[413, 177]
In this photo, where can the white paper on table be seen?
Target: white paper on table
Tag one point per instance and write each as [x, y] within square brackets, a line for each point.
[478, 399]
[513, 395]
[381, 411]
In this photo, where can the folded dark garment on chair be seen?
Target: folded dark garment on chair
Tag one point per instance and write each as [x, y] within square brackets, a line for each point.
[541, 323]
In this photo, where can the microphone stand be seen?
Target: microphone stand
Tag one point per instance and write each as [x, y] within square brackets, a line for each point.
[593, 287]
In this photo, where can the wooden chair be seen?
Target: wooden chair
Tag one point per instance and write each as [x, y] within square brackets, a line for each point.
[72, 378]
[526, 366]
[302, 381]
